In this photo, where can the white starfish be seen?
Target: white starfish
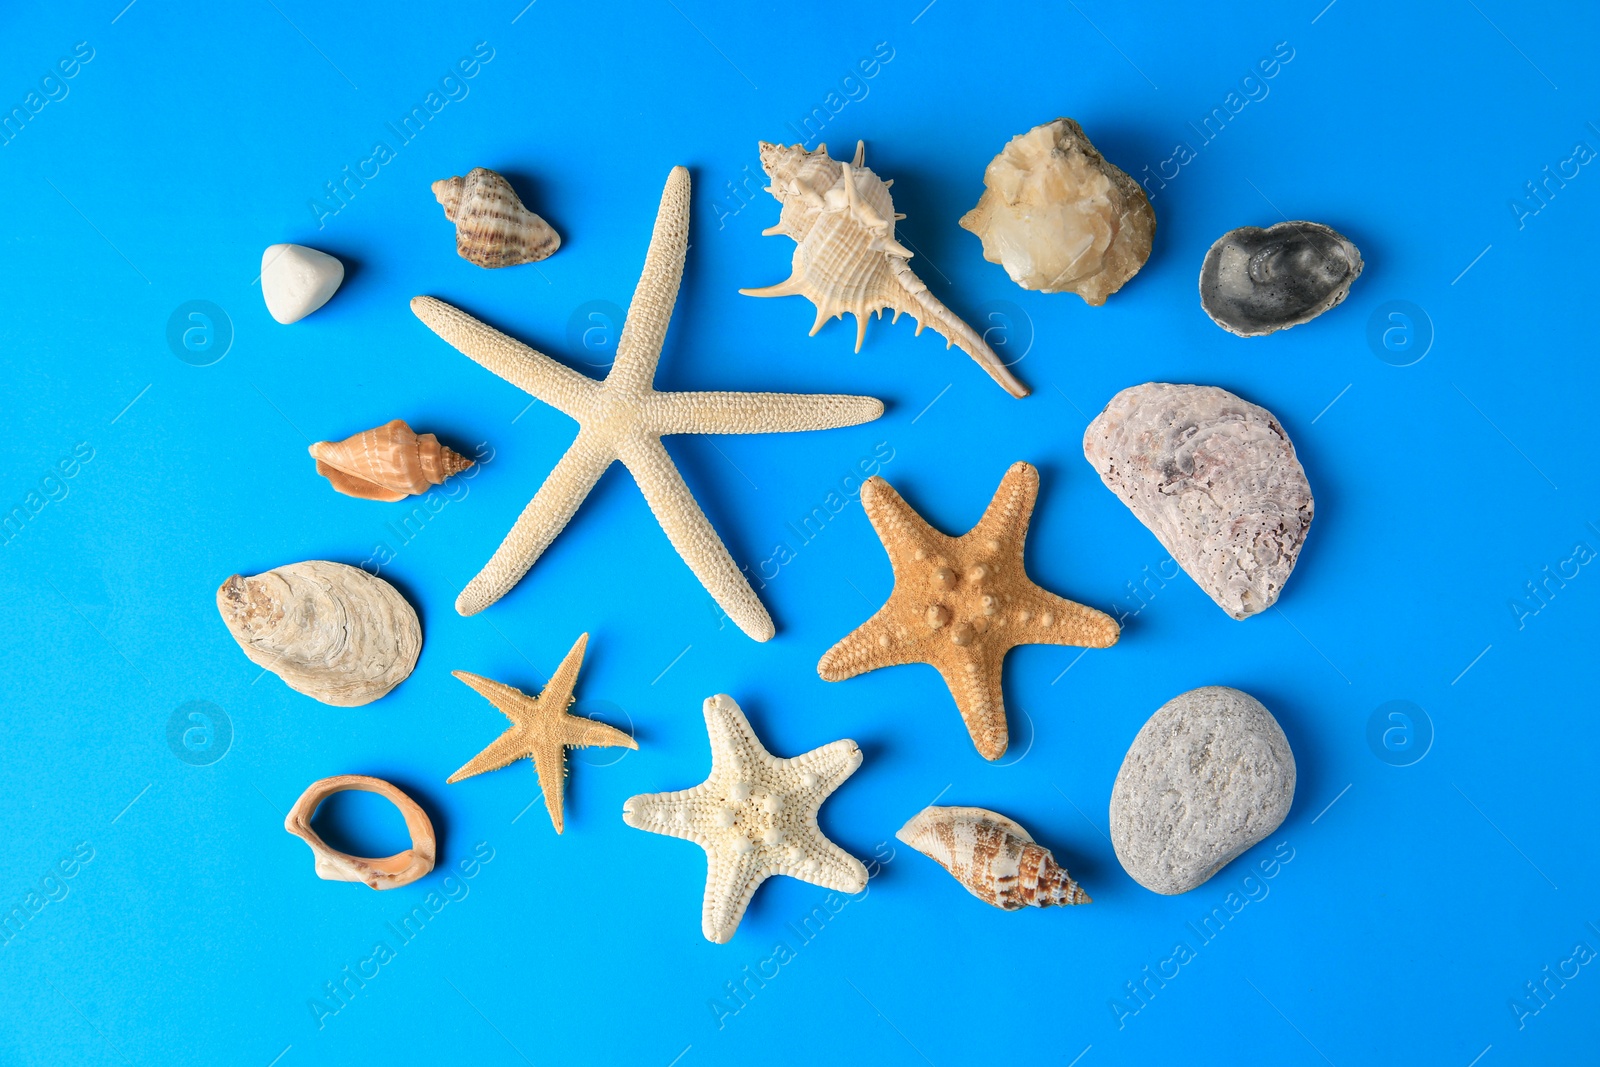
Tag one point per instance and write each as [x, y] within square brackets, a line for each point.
[756, 816]
[624, 418]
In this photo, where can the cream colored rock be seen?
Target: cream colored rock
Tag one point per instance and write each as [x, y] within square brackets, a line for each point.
[846, 259]
[993, 857]
[330, 631]
[296, 280]
[1060, 218]
[388, 872]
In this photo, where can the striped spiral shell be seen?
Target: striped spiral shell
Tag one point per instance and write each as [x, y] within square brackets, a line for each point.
[493, 229]
[993, 857]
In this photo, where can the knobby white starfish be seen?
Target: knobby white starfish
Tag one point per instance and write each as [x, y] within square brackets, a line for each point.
[756, 816]
[624, 418]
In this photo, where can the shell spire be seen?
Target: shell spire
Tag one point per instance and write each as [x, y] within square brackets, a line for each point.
[388, 462]
[995, 858]
[846, 258]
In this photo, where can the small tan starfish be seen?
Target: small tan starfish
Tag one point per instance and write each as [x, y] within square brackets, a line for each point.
[961, 603]
[756, 816]
[624, 418]
[541, 729]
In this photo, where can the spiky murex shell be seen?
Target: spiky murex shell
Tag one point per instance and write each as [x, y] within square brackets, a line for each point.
[846, 259]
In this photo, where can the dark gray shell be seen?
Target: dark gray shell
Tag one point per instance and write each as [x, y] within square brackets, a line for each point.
[1256, 281]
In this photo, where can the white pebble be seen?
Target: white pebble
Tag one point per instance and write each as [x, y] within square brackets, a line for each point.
[296, 280]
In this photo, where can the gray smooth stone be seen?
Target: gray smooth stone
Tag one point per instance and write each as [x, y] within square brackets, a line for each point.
[1209, 775]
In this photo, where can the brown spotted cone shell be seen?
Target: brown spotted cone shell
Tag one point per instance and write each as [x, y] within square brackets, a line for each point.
[493, 229]
[389, 462]
[993, 857]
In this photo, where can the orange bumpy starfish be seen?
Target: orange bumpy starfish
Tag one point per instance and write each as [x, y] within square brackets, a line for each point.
[961, 603]
[541, 729]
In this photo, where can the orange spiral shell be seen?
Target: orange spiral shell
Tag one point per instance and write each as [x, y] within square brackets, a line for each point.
[389, 462]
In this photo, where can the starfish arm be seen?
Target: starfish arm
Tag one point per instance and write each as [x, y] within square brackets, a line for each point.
[544, 517]
[832, 764]
[499, 694]
[667, 814]
[565, 679]
[533, 372]
[731, 880]
[1006, 518]
[835, 868]
[979, 698]
[758, 412]
[1055, 620]
[509, 746]
[829, 865]
[645, 327]
[876, 643]
[587, 733]
[734, 745]
[691, 534]
[506, 750]
[898, 526]
[550, 764]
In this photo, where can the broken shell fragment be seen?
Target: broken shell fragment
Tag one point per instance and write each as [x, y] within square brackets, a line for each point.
[1255, 282]
[846, 259]
[1059, 218]
[389, 872]
[493, 229]
[389, 462]
[296, 280]
[330, 631]
[993, 857]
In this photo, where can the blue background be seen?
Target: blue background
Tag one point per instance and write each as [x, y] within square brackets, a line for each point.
[1414, 908]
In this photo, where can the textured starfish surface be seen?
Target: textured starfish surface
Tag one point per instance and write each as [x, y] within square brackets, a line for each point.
[624, 418]
[961, 603]
[541, 729]
[756, 816]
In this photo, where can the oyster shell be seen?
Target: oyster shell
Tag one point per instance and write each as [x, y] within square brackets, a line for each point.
[1255, 282]
[993, 857]
[1059, 218]
[330, 631]
[1215, 478]
[493, 229]
[389, 462]
[388, 872]
[846, 258]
